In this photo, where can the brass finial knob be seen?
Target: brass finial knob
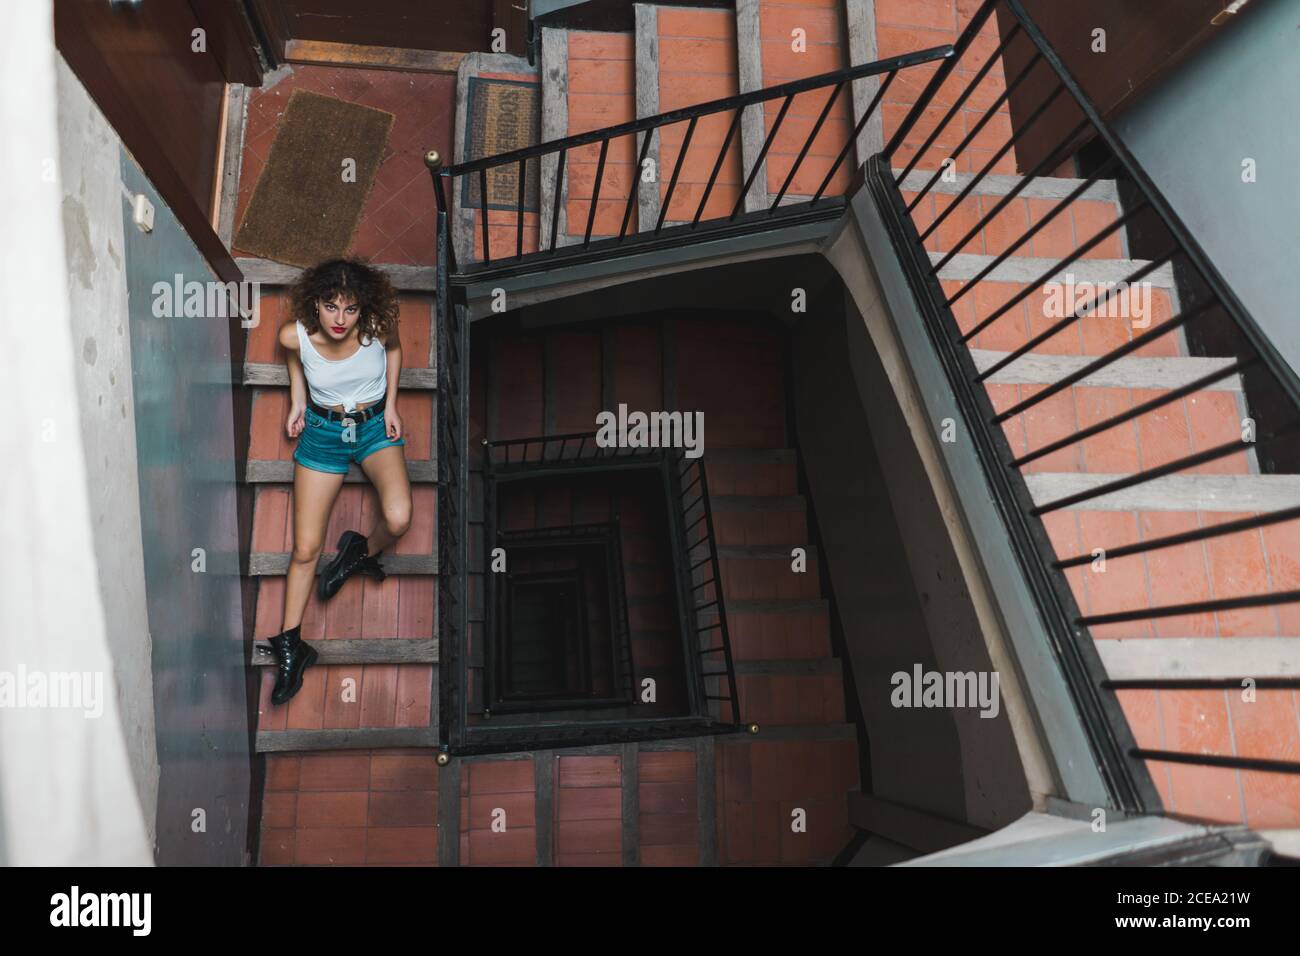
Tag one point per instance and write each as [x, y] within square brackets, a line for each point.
[433, 159]
[444, 759]
[753, 728]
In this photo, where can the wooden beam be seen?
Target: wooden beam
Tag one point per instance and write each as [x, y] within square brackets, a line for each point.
[325, 53]
[280, 741]
[265, 472]
[404, 278]
[233, 125]
[371, 650]
[261, 563]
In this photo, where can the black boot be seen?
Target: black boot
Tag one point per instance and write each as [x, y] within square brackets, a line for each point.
[351, 558]
[292, 657]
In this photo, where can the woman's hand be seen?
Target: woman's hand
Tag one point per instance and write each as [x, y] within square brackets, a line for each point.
[295, 423]
[392, 424]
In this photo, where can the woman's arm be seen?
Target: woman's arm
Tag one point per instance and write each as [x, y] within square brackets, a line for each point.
[294, 424]
[392, 421]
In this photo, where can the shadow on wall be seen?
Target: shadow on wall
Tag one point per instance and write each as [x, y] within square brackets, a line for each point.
[899, 591]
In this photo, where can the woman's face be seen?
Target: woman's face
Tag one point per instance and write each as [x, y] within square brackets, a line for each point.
[338, 316]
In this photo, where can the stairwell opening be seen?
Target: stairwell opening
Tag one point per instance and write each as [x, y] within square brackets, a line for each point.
[837, 571]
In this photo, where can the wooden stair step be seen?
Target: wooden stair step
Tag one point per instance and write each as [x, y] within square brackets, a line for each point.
[277, 563]
[405, 278]
[281, 472]
[370, 650]
[280, 741]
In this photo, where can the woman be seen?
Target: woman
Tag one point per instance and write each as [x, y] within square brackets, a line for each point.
[344, 362]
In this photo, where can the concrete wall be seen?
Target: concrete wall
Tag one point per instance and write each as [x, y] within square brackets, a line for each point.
[898, 587]
[89, 158]
[156, 423]
[187, 467]
[1238, 99]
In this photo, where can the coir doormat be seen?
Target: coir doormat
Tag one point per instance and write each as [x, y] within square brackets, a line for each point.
[309, 198]
[502, 115]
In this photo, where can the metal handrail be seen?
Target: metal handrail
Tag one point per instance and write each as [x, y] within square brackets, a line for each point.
[1119, 758]
[737, 102]
[445, 176]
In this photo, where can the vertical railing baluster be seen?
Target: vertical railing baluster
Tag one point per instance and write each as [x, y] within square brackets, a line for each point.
[595, 191]
[677, 168]
[853, 137]
[713, 176]
[762, 155]
[817, 128]
[555, 202]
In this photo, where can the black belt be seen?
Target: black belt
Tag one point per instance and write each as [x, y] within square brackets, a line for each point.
[358, 416]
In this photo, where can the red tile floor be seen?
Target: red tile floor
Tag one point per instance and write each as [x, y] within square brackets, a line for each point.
[397, 225]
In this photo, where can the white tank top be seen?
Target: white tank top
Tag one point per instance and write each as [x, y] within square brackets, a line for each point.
[361, 377]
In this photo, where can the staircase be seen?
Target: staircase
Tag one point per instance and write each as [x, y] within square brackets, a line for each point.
[727, 800]
[730, 800]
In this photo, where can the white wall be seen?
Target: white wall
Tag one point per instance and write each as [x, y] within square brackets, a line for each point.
[67, 795]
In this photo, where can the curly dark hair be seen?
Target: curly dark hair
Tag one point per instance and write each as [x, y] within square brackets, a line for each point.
[353, 279]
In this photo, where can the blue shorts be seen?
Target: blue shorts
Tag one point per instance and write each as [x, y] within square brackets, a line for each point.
[321, 446]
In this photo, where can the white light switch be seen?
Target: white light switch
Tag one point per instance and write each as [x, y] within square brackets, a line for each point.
[142, 212]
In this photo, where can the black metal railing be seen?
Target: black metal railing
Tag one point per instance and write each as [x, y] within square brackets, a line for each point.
[705, 608]
[604, 540]
[1040, 88]
[470, 675]
[1208, 302]
[452, 351]
[517, 163]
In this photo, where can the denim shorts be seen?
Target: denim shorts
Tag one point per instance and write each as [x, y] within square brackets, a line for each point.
[321, 446]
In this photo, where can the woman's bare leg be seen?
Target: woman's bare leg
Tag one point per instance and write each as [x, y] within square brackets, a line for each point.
[313, 499]
[386, 469]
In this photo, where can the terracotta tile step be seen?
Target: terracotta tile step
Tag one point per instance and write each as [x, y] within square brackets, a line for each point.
[356, 507]
[1037, 318]
[1171, 431]
[1254, 562]
[762, 630]
[779, 697]
[758, 519]
[1041, 228]
[764, 572]
[766, 472]
[401, 607]
[364, 699]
